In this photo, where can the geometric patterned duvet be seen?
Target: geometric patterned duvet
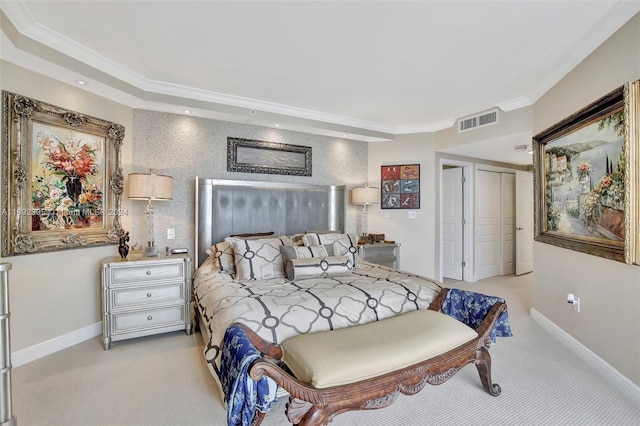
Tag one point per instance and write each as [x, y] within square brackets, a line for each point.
[278, 309]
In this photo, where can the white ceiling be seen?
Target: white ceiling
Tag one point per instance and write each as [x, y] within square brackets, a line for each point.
[366, 70]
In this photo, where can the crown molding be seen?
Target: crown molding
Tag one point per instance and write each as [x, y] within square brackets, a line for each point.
[129, 84]
[425, 128]
[621, 12]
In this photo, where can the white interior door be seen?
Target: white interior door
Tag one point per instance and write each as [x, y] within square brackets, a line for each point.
[524, 222]
[508, 183]
[488, 202]
[452, 220]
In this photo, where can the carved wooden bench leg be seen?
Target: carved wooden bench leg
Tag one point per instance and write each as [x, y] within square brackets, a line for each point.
[483, 364]
[303, 413]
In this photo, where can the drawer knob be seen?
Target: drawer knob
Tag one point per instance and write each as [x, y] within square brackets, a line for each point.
[149, 318]
[148, 272]
[148, 294]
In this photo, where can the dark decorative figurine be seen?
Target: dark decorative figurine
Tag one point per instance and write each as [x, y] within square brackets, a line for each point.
[123, 247]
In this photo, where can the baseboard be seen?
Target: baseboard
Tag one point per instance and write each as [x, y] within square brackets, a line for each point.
[613, 376]
[25, 356]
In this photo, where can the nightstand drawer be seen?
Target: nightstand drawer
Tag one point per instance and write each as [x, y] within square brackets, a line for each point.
[124, 297]
[153, 318]
[382, 251]
[123, 275]
[387, 254]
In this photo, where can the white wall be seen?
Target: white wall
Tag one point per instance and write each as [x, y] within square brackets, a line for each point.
[609, 321]
[417, 236]
[52, 294]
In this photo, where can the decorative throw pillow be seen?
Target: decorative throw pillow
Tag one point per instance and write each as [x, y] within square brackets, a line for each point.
[302, 252]
[316, 239]
[223, 257]
[319, 267]
[343, 244]
[347, 245]
[258, 259]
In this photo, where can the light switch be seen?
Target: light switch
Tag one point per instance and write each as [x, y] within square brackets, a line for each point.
[171, 234]
[413, 214]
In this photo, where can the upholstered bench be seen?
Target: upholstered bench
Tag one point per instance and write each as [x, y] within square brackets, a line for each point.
[367, 366]
[349, 355]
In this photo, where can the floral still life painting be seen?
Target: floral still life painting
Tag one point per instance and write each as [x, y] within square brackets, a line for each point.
[585, 191]
[67, 176]
[61, 178]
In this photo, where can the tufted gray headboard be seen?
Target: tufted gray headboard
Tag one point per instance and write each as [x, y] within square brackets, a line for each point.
[226, 207]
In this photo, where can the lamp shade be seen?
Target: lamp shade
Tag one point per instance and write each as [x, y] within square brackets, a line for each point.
[143, 186]
[366, 195]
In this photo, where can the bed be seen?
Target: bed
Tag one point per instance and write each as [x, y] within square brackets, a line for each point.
[275, 258]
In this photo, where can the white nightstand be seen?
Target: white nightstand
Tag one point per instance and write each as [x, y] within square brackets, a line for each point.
[145, 296]
[387, 254]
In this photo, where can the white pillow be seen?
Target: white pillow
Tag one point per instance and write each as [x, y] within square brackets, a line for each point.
[316, 239]
[343, 244]
[258, 259]
[222, 257]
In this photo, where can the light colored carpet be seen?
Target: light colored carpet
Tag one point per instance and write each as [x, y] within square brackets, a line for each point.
[162, 380]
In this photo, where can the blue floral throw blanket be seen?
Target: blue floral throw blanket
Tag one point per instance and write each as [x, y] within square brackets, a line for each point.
[243, 395]
[471, 308]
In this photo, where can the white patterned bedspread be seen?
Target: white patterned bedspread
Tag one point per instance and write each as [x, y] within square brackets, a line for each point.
[278, 309]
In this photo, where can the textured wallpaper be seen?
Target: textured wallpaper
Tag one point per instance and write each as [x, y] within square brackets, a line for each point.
[185, 147]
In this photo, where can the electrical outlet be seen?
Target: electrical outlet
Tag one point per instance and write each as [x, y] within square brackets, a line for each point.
[413, 214]
[171, 234]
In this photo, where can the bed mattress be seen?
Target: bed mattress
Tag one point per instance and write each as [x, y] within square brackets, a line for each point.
[277, 309]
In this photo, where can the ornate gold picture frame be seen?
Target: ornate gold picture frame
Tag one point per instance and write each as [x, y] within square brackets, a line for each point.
[586, 178]
[61, 178]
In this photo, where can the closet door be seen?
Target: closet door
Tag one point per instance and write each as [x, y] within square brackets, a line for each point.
[524, 222]
[508, 182]
[488, 240]
[452, 217]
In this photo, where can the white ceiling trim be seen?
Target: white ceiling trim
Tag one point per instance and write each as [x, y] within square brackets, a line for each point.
[601, 31]
[27, 27]
[516, 103]
[17, 12]
[425, 128]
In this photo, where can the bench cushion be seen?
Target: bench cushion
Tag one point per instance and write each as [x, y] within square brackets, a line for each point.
[347, 355]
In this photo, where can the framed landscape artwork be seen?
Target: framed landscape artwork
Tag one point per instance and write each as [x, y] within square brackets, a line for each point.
[586, 178]
[61, 178]
[400, 188]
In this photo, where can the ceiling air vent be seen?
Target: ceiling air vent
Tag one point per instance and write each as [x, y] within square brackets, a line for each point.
[478, 120]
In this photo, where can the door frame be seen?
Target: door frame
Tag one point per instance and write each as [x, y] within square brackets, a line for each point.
[468, 271]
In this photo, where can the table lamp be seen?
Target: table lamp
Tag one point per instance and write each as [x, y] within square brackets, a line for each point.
[150, 187]
[365, 196]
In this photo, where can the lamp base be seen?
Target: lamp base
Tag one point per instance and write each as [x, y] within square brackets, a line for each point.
[150, 251]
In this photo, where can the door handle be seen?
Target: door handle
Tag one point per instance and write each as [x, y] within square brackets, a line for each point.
[519, 229]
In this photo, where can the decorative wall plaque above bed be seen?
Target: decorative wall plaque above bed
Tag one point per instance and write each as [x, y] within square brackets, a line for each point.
[61, 178]
[251, 156]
